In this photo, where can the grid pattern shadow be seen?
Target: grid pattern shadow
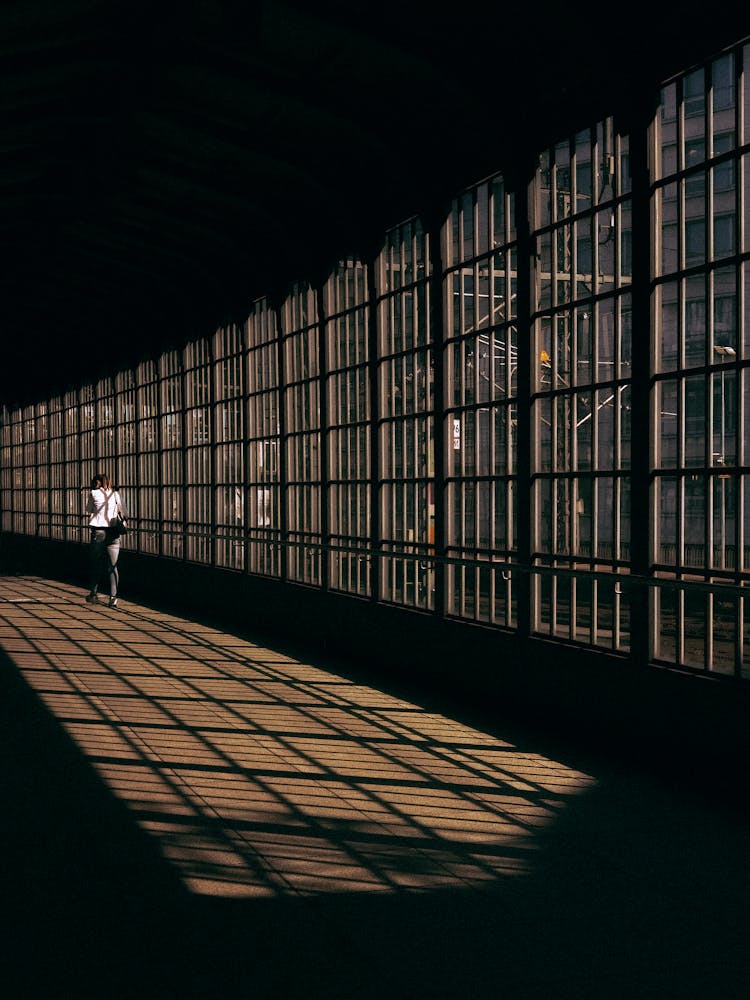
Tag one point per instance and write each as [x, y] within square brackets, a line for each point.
[260, 775]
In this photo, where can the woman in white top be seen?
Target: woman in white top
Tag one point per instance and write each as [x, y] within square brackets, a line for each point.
[102, 506]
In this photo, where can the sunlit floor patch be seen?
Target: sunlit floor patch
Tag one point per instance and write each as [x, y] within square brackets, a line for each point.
[260, 775]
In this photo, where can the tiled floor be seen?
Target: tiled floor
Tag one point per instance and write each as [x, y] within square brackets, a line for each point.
[192, 813]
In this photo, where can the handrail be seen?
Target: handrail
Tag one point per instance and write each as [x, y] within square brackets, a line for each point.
[630, 581]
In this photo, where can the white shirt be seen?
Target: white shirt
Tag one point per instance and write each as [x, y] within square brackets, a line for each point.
[102, 507]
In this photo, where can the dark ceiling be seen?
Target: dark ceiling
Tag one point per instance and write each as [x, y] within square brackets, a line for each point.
[164, 164]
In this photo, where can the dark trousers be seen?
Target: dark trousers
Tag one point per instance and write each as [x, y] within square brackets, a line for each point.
[104, 554]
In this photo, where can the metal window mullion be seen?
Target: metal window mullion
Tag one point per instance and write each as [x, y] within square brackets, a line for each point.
[49, 469]
[708, 457]
[594, 615]
[391, 486]
[617, 484]
[212, 448]
[323, 423]
[62, 466]
[281, 463]
[552, 600]
[680, 539]
[96, 456]
[31, 503]
[160, 453]
[595, 482]
[643, 620]
[738, 568]
[12, 484]
[31, 470]
[116, 411]
[528, 589]
[679, 590]
[24, 470]
[400, 560]
[74, 468]
[708, 645]
[555, 473]
[182, 373]
[438, 405]
[709, 539]
[492, 578]
[63, 472]
[417, 430]
[18, 471]
[137, 456]
[680, 624]
[246, 430]
[463, 495]
[573, 422]
[415, 488]
[739, 563]
[408, 558]
[38, 465]
[742, 161]
[375, 415]
[616, 612]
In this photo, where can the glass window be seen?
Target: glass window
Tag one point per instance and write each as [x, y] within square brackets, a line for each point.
[581, 411]
[480, 426]
[695, 396]
[346, 297]
[301, 347]
[405, 384]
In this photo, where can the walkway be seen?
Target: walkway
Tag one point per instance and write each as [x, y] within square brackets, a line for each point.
[191, 813]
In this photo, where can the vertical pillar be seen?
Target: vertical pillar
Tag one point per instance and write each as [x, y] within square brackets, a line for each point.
[281, 456]
[184, 453]
[433, 225]
[374, 416]
[245, 424]
[160, 456]
[325, 520]
[637, 126]
[211, 373]
[520, 181]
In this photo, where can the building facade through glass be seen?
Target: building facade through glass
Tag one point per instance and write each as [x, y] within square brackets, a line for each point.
[448, 426]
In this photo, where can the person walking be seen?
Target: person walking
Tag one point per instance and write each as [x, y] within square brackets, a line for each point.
[102, 507]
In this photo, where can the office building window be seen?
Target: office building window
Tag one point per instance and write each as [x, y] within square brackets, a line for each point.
[481, 368]
[348, 426]
[171, 407]
[406, 418]
[581, 375]
[105, 424]
[75, 483]
[56, 469]
[42, 459]
[198, 523]
[6, 472]
[700, 373]
[301, 347]
[228, 439]
[148, 492]
[126, 461]
[263, 449]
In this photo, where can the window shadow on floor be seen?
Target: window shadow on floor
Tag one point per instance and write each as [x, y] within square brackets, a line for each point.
[196, 814]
